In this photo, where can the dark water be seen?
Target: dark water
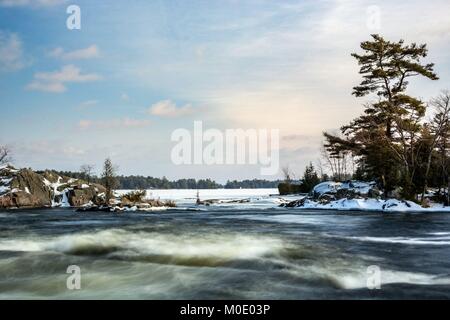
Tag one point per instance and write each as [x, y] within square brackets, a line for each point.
[224, 254]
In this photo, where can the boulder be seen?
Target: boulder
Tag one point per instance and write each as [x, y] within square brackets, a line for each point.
[295, 203]
[326, 198]
[25, 189]
[345, 193]
[81, 195]
[346, 190]
[32, 189]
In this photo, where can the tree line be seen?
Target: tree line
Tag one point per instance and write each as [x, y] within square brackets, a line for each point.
[137, 182]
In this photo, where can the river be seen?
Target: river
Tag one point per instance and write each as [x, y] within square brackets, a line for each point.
[251, 250]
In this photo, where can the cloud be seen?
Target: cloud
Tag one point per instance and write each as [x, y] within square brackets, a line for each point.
[37, 3]
[167, 108]
[295, 137]
[55, 81]
[85, 53]
[48, 147]
[88, 103]
[55, 87]
[124, 97]
[113, 124]
[11, 52]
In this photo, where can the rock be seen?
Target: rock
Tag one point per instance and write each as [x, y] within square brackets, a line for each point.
[328, 187]
[345, 193]
[346, 190]
[326, 198]
[295, 203]
[25, 189]
[391, 203]
[79, 196]
[95, 209]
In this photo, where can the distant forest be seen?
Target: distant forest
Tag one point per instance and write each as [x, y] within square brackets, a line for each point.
[141, 182]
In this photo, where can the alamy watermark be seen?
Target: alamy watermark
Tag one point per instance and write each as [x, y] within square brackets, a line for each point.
[73, 21]
[73, 281]
[228, 147]
[373, 18]
[373, 277]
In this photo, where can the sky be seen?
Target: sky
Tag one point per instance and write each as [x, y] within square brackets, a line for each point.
[138, 70]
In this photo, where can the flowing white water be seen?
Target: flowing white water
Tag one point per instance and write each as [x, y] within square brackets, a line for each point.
[234, 250]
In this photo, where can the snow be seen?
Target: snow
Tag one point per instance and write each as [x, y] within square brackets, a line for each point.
[270, 199]
[332, 187]
[7, 167]
[242, 199]
[180, 194]
[4, 185]
[5, 181]
[186, 198]
[327, 187]
[4, 189]
[390, 205]
[54, 186]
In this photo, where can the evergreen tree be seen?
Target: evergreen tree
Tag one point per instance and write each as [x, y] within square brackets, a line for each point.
[109, 179]
[310, 178]
[387, 137]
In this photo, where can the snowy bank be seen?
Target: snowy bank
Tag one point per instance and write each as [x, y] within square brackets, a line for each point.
[390, 205]
[356, 196]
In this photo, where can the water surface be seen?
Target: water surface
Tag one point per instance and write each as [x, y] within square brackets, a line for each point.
[228, 251]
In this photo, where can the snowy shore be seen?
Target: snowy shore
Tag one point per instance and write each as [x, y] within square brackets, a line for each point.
[390, 205]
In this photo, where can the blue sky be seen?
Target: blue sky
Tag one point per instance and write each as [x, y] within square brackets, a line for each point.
[70, 97]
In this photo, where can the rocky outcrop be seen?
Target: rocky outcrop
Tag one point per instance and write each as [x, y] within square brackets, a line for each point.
[81, 195]
[32, 192]
[327, 192]
[25, 188]
[331, 191]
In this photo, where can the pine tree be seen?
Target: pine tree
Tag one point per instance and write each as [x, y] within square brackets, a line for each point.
[387, 137]
[109, 179]
[310, 178]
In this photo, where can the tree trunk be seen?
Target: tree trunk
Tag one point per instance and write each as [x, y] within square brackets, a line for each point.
[448, 192]
[427, 172]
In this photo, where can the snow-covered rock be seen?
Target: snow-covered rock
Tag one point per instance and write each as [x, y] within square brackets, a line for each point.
[26, 188]
[326, 187]
[355, 195]
[368, 204]
[331, 190]
[22, 188]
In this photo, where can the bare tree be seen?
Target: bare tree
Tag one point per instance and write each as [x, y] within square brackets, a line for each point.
[341, 163]
[86, 170]
[287, 174]
[5, 154]
[319, 167]
[438, 133]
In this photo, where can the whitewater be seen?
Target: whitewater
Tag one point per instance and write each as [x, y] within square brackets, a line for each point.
[242, 246]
